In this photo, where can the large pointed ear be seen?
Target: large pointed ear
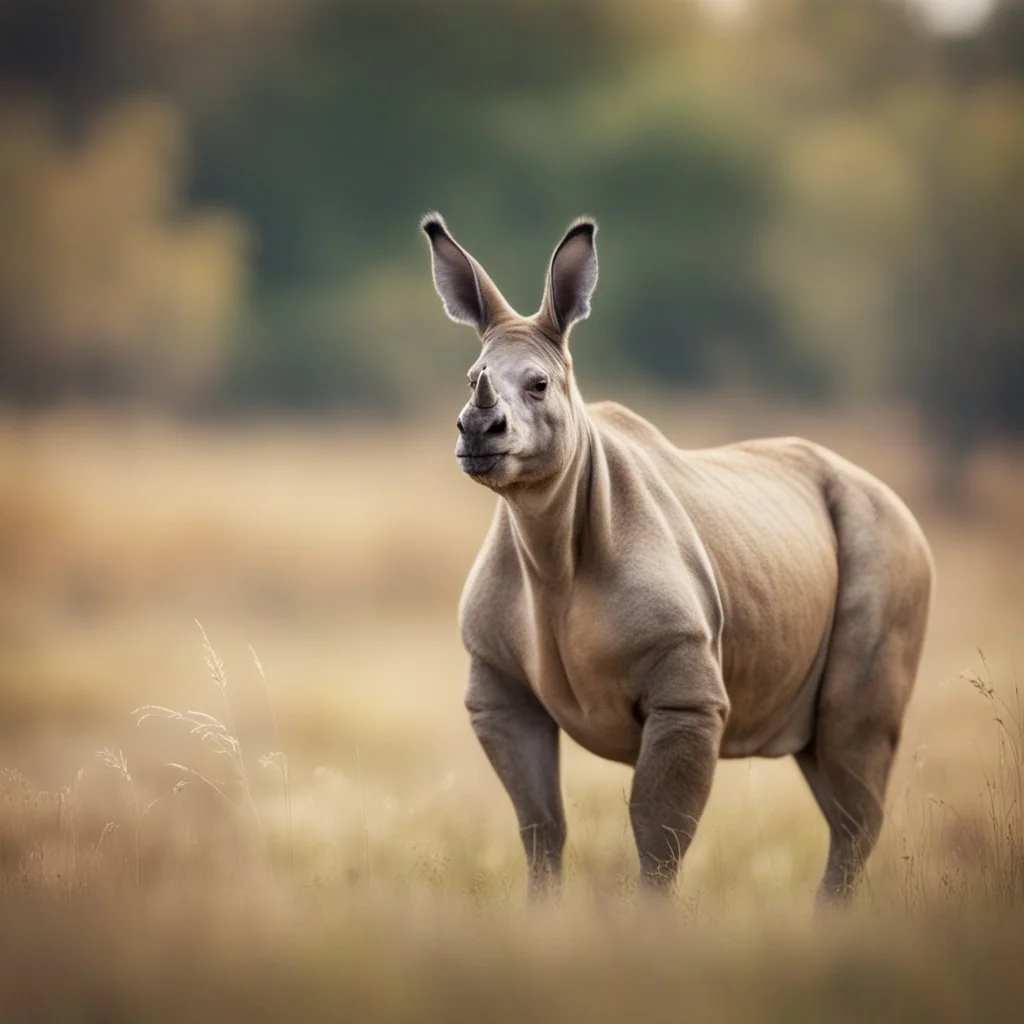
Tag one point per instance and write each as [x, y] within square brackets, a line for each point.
[572, 278]
[469, 295]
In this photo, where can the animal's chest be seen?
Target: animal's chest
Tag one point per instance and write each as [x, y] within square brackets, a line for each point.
[582, 656]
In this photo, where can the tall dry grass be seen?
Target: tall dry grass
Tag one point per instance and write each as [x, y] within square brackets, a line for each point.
[420, 934]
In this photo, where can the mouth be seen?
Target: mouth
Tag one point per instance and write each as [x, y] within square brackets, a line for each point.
[479, 465]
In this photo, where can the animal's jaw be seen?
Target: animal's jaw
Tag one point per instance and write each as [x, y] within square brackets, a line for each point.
[481, 466]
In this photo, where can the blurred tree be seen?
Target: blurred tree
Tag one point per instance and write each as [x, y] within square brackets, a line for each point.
[818, 197]
[835, 246]
[514, 118]
[105, 287]
[897, 251]
[964, 362]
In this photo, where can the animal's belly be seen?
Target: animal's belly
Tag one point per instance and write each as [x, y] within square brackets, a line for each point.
[611, 730]
[613, 737]
[777, 719]
[601, 722]
[786, 732]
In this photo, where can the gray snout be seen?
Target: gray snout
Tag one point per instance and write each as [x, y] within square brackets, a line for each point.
[482, 429]
[476, 424]
[482, 417]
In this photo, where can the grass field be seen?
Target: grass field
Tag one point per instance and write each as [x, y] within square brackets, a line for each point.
[370, 867]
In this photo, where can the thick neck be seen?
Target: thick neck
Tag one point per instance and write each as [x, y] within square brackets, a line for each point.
[552, 522]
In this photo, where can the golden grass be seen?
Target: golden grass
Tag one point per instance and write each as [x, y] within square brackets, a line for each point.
[369, 868]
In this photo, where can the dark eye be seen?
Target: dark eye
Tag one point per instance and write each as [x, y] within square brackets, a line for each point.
[538, 387]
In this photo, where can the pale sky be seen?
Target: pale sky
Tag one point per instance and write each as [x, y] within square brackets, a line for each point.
[949, 15]
[955, 14]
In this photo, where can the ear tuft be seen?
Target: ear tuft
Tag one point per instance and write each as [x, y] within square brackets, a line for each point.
[433, 225]
[581, 226]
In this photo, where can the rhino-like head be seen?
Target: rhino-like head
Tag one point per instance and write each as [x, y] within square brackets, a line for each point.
[519, 426]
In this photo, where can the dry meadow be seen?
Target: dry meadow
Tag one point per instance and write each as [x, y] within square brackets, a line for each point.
[301, 826]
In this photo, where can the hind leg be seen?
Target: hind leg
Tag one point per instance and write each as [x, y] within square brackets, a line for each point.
[850, 790]
[847, 766]
[885, 580]
[885, 583]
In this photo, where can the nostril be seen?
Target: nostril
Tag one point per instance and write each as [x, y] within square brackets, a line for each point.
[499, 426]
[458, 423]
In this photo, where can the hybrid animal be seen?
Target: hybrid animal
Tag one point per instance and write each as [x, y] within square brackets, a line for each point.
[668, 607]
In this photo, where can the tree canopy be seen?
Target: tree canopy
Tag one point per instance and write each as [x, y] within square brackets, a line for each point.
[215, 204]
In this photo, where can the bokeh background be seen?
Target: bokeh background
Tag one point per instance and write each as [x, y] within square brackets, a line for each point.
[228, 392]
[209, 206]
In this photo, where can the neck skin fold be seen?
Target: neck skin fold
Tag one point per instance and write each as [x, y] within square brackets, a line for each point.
[553, 521]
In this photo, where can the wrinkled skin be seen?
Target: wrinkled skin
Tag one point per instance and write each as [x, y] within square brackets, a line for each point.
[664, 607]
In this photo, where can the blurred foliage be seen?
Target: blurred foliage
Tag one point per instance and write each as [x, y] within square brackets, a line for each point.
[214, 202]
[103, 284]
